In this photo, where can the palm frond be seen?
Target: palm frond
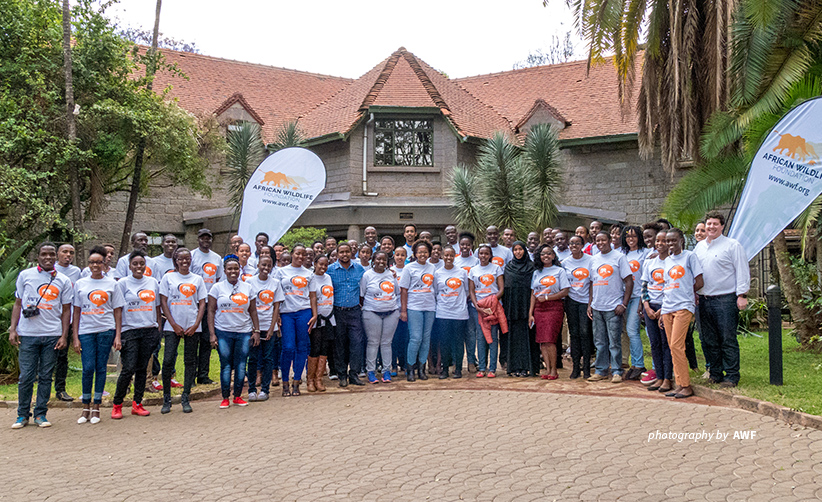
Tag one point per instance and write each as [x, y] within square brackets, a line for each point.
[287, 136]
[543, 174]
[808, 220]
[467, 207]
[245, 152]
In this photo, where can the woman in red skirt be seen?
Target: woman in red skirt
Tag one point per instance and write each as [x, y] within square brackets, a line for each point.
[549, 286]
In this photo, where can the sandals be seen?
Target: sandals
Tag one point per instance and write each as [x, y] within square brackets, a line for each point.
[84, 417]
[95, 419]
[286, 389]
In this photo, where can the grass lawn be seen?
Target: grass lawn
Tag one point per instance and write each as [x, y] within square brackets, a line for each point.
[74, 383]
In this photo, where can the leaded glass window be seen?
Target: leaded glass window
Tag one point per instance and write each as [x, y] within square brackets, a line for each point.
[406, 142]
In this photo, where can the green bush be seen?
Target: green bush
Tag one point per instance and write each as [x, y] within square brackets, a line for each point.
[11, 263]
[303, 235]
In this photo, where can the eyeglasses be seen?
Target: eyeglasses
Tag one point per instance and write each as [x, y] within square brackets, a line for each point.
[96, 262]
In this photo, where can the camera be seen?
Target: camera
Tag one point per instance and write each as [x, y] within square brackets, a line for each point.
[30, 311]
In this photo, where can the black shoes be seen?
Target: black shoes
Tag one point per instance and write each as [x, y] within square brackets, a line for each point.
[186, 405]
[355, 380]
[409, 374]
[343, 381]
[421, 373]
[166, 405]
[443, 374]
[63, 396]
[206, 381]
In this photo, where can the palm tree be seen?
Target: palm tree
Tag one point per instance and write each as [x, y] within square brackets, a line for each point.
[509, 186]
[244, 154]
[288, 135]
[71, 135]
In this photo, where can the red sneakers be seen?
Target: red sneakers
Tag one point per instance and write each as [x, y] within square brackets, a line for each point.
[648, 377]
[157, 386]
[137, 409]
[224, 404]
[175, 384]
[240, 401]
[117, 412]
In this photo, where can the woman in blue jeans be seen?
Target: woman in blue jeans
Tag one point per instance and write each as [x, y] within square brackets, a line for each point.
[418, 307]
[98, 310]
[297, 318]
[633, 247]
[484, 280]
[233, 322]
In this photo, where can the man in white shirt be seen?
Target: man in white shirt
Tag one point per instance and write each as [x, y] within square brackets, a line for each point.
[508, 237]
[64, 265]
[208, 265]
[502, 255]
[139, 241]
[451, 240]
[727, 280]
[533, 243]
[562, 250]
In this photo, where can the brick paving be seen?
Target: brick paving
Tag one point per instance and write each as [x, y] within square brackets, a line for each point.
[505, 440]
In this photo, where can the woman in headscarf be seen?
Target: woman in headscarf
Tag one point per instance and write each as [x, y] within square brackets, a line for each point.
[516, 300]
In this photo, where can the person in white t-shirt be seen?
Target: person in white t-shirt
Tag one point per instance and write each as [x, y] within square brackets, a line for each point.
[247, 270]
[139, 242]
[164, 263]
[501, 254]
[97, 319]
[549, 286]
[399, 346]
[234, 327]
[321, 335]
[683, 278]
[261, 358]
[451, 287]
[39, 328]
[107, 270]
[611, 288]
[296, 315]
[378, 294]
[65, 258]
[580, 331]
[208, 265]
[465, 259]
[141, 318]
[418, 308]
[633, 247]
[183, 300]
[561, 247]
[653, 283]
[486, 279]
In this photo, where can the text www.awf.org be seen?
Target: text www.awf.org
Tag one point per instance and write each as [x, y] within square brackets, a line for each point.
[703, 435]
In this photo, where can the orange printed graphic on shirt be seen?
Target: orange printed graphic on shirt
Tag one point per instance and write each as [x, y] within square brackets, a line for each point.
[676, 272]
[266, 296]
[327, 291]
[146, 295]
[247, 277]
[210, 269]
[605, 271]
[467, 269]
[580, 273]
[428, 279]
[548, 281]
[299, 281]
[634, 265]
[497, 260]
[98, 297]
[187, 289]
[239, 298]
[453, 283]
[147, 273]
[658, 276]
[48, 292]
[487, 279]
[387, 286]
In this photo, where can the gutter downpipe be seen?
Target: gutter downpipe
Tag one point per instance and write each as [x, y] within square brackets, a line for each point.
[365, 159]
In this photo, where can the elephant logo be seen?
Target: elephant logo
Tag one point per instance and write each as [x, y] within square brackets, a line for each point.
[796, 147]
[239, 298]
[98, 297]
[266, 296]
[428, 279]
[634, 264]
[498, 261]
[676, 272]
[487, 279]
[146, 295]
[605, 271]
[387, 286]
[327, 291]
[210, 269]
[453, 283]
[280, 180]
[548, 281]
[658, 276]
[187, 289]
[580, 273]
[48, 292]
[299, 281]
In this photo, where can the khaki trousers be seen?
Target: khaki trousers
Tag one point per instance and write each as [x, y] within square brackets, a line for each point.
[676, 330]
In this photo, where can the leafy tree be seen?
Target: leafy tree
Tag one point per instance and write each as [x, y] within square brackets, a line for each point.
[145, 37]
[558, 52]
[304, 235]
[510, 186]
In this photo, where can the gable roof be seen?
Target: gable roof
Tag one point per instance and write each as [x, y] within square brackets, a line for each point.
[402, 80]
[590, 102]
[272, 95]
[540, 104]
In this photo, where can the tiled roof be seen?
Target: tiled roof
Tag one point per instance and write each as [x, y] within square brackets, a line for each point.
[275, 95]
[589, 102]
[402, 80]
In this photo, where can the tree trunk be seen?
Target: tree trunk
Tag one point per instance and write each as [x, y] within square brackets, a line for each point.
[804, 320]
[134, 194]
[71, 131]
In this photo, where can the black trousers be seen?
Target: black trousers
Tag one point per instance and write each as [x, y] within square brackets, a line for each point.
[190, 345]
[348, 342]
[580, 333]
[138, 345]
[203, 352]
[321, 340]
[61, 366]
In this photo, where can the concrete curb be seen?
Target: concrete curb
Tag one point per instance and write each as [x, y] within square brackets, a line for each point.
[756, 406]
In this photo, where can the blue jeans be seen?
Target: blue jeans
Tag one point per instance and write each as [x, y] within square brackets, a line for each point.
[37, 357]
[261, 358]
[94, 352]
[660, 352]
[719, 319]
[472, 333]
[483, 348]
[608, 338]
[295, 343]
[632, 327]
[420, 324]
[233, 349]
[399, 345]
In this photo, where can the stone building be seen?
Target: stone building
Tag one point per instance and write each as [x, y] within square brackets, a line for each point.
[390, 138]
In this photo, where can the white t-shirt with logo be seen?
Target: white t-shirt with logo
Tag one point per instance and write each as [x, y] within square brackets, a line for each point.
[501, 256]
[162, 266]
[579, 273]
[635, 261]
[142, 299]
[398, 272]
[31, 286]
[87, 273]
[321, 286]
[680, 273]
[72, 272]
[466, 263]
[379, 291]
[294, 281]
[485, 280]
[268, 293]
[563, 255]
[653, 272]
[419, 281]
[97, 299]
[183, 294]
[233, 301]
[549, 281]
[247, 272]
[451, 287]
[123, 269]
[209, 266]
[607, 273]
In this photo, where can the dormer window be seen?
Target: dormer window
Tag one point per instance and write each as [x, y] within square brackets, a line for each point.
[403, 142]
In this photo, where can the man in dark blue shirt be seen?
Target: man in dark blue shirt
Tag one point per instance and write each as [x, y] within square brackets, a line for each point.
[348, 347]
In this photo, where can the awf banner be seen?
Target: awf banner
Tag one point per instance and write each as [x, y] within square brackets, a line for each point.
[785, 177]
[280, 190]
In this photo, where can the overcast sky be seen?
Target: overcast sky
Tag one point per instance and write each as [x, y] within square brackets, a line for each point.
[348, 38]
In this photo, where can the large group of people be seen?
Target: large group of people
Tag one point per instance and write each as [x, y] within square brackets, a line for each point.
[367, 311]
